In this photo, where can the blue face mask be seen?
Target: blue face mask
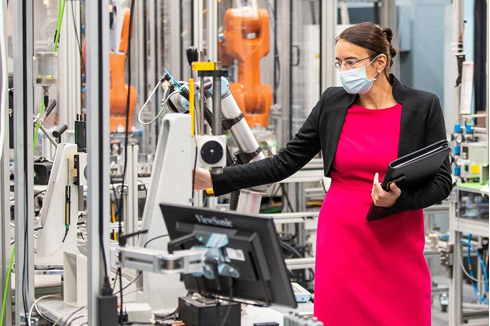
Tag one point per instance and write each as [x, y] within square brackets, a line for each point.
[355, 80]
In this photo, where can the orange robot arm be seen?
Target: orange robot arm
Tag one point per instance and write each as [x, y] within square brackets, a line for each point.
[118, 89]
[247, 39]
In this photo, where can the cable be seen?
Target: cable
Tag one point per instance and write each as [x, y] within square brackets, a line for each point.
[286, 197]
[7, 284]
[291, 249]
[155, 238]
[464, 269]
[164, 103]
[148, 100]
[277, 62]
[470, 269]
[130, 283]
[71, 315]
[75, 319]
[76, 35]
[481, 299]
[223, 322]
[194, 175]
[39, 312]
[136, 290]
[25, 270]
[121, 312]
[167, 316]
[61, 10]
[4, 90]
[35, 302]
[115, 279]
[126, 141]
[106, 286]
[312, 9]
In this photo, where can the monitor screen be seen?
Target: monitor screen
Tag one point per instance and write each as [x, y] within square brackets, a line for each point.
[251, 251]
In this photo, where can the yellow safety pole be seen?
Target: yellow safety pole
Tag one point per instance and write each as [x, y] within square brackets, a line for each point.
[191, 103]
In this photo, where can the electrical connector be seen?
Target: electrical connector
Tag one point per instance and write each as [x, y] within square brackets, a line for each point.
[106, 288]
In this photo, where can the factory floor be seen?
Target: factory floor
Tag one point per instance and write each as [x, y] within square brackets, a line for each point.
[439, 317]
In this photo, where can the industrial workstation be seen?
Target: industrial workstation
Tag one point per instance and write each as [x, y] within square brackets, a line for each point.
[255, 163]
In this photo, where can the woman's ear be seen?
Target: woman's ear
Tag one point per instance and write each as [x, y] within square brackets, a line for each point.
[381, 62]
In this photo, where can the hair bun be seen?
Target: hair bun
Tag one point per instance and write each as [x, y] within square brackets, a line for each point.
[388, 33]
[392, 52]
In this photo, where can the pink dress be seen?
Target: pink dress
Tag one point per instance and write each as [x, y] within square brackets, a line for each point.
[369, 273]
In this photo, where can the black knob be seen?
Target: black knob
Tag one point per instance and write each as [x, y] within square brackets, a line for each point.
[51, 107]
[59, 131]
[192, 55]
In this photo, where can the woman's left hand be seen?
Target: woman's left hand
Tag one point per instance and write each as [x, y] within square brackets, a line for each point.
[384, 198]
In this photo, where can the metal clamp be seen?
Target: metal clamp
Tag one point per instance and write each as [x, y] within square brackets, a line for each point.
[228, 123]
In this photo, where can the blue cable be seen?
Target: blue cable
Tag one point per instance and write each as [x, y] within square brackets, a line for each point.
[480, 299]
[480, 258]
[485, 272]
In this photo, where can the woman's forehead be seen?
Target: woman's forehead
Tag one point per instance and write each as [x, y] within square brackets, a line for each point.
[344, 49]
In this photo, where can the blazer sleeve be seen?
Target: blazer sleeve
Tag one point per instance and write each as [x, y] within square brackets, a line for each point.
[299, 151]
[440, 186]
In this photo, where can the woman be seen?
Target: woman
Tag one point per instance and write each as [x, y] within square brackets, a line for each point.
[367, 273]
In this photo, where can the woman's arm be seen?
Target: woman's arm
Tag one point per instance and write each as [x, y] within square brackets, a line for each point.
[299, 151]
[440, 186]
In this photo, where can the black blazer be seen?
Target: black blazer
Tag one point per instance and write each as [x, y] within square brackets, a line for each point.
[422, 123]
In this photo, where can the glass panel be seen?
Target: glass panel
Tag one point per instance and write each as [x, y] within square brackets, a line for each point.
[305, 61]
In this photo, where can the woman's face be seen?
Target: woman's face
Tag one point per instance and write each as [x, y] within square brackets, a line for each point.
[352, 56]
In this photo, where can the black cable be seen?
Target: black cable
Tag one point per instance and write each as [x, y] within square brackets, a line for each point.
[76, 35]
[25, 272]
[286, 197]
[66, 233]
[230, 302]
[155, 238]
[74, 319]
[25, 288]
[130, 283]
[277, 62]
[116, 200]
[286, 237]
[126, 141]
[39, 193]
[121, 289]
[194, 175]
[274, 192]
[102, 127]
[291, 249]
[115, 282]
[312, 9]
[167, 316]
[72, 314]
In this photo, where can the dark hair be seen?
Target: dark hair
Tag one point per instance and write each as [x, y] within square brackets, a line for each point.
[373, 38]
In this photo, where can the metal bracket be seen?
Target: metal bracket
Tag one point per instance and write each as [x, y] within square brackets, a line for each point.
[447, 256]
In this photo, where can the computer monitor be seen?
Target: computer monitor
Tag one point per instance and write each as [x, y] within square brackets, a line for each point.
[251, 248]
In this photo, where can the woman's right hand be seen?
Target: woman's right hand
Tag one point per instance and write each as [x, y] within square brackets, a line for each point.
[202, 179]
